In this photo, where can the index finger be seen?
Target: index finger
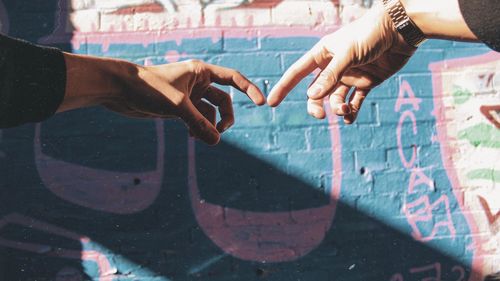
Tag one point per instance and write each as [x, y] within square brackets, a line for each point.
[295, 73]
[227, 76]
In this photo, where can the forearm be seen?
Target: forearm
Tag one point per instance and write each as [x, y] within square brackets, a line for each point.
[32, 81]
[439, 19]
[93, 81]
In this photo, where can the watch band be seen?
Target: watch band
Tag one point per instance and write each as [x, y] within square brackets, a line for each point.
[404, 25]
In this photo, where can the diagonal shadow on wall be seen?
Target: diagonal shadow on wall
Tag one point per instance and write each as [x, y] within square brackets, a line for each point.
[166, 240]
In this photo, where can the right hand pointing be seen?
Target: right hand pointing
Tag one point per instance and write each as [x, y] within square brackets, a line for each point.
[360, 55]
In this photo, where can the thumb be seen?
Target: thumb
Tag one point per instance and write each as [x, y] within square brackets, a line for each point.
[199, 126]
[329, 76]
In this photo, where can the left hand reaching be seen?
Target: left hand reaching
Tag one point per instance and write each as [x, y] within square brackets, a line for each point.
[182, 90]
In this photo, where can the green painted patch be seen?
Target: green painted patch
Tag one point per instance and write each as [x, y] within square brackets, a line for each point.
[484, 174]
[461, 95]
[481, 135]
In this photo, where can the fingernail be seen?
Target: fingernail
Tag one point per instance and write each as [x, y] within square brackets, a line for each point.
[315, 112]
[345, 109]
[314, 91]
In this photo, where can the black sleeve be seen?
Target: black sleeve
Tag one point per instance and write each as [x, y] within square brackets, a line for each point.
[483, 18]
[32, 82]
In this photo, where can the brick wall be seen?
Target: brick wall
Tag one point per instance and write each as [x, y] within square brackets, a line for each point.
[407, 193]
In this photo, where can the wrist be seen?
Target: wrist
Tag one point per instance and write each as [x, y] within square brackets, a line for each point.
[403, 24]
[92, 81]
[439, 19]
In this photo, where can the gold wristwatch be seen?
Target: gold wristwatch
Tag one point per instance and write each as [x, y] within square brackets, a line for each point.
[404, 25]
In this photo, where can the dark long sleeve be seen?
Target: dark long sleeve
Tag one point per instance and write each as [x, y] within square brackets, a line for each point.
[483, 18]
[32, 82]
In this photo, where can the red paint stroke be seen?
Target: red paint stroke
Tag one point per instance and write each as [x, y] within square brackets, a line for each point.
[267, 236]
[487, 111]
[144, 8]
[488, 78]
[99, 189]
[103, 265]
[491, 218]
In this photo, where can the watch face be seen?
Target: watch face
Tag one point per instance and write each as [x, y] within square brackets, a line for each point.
[411, 33]
[404, 27]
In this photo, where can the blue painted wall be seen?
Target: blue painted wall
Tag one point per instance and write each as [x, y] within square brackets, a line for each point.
[319, 199]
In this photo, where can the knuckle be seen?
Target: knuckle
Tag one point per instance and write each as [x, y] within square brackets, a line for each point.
[195, 65]
[240, 81]
[236, 73]
[237, 76]
[225, 99]
[194, 61]
[327, 75]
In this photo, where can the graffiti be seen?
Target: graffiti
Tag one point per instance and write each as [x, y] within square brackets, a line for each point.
[492, 113]
[127, 6]
[431, 272]
[173, 211]
[470, 143]
[114, 192]
[105, 270]
[133, 21]
[492, 219]
[434, 268]
[422, 216]
[420, 212]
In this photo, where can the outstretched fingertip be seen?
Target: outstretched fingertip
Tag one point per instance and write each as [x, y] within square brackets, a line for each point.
[256, 95]
[272, 102]
[260, 101]
[274, 98]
